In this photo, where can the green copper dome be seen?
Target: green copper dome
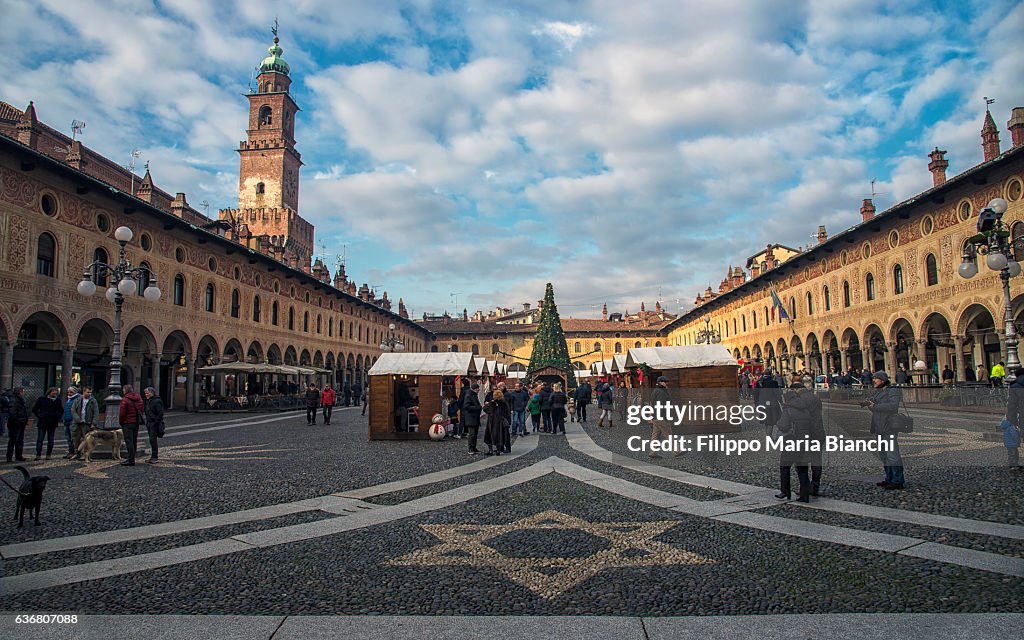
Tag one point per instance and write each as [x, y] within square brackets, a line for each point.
[274, 62]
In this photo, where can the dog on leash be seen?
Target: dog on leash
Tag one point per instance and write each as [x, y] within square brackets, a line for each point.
[112, 438]
[30, 496]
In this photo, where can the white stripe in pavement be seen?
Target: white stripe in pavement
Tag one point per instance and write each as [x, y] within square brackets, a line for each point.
[934, 414]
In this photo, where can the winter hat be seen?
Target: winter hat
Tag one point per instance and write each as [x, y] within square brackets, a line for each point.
[662, 379]
[880, 375]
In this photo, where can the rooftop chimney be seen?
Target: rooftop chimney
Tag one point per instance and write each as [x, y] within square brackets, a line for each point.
[822, 234]
[755, 270]
[179, 204]
[989, 137]
[1016, 126]
[867, 210]
[28, 126]
[938, 166]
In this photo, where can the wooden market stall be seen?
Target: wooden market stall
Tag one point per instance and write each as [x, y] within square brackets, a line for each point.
[698, 374]
[422, 380]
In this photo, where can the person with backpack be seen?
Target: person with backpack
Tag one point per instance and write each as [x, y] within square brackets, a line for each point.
[48, 411]
[131, 414]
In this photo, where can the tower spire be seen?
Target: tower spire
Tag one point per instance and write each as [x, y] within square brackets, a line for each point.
[989, 134]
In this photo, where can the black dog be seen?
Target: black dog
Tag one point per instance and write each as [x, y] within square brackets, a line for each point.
[30, 496]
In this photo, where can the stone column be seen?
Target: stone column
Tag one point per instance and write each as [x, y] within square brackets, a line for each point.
[958, 358]
[6, 366]
[156, 372]
[867, 359]
[67, 363]
[890, 360]
[190, 385]
[843, 360]
[921, 353]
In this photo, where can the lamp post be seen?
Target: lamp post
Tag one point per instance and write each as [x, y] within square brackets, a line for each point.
[707, 335]
[993, 241]
[391, 342]
[123, 277]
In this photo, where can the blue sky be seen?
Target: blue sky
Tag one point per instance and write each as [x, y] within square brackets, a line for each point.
[622, 150]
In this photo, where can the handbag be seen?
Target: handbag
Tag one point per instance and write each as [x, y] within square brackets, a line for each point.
[901, 423]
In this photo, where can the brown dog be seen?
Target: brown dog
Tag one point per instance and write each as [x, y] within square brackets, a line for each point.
[113, 438]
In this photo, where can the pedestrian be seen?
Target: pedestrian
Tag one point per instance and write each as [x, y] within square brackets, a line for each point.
[69, 420]
[357, 392]
[997, 374]
[470, 416]
[583, 393]
[769, 395]
[346, 392]
[16, 424]
[533, 407]
[5, 409]
[969, 375]
[84, 412]
[982, 374]
[131, 414]
[817, 432]
[154, 423]
[404, 402]
[558, 411]
[884, 403]
[327, 400]
[453, 416]
[48, 410]
[312, 403]
[660, 429]
[947, 376]
[365, 396]
[545, 406]
[497, 416]
[1014, 419]
[801, 413]
[606, 403]
[902, 377]
[518, 400]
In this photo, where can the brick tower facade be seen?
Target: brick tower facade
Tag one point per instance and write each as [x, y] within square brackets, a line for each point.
[268, 181]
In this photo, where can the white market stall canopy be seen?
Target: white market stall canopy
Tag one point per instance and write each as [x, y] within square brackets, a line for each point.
[618, 363]
[481, 366]
[247, 367]
[425, 364]
[582, 373]
[702, 355]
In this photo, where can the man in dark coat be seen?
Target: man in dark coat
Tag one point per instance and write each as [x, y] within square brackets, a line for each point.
[517, 403]
[470, 415]
[769, 395]
[545, 407]
[154, 422]
[346, 392]
[797, 424]
[48, 411]
[558, 402]
[583, 393]
[884, 403]
[16, 423]
[312, 403]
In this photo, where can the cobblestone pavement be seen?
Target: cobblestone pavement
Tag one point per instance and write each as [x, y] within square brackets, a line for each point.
[551, 531]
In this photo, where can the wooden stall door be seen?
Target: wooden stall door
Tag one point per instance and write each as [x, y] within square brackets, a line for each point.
[382, 404]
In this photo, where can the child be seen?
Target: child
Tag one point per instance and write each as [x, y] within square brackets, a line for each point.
[533, 406]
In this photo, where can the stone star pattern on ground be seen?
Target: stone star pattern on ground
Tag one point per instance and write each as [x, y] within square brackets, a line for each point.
[632, 544]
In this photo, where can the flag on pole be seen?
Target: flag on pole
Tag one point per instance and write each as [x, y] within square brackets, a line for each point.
[777, 303]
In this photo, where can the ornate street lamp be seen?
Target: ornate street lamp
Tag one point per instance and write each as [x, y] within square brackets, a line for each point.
[707, 335]
[993, 241]
[391, 341]
[123, 277]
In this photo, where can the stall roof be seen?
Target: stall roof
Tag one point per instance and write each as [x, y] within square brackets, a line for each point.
[618, 363]
[481, 366]
[702, 355]
[424, 364]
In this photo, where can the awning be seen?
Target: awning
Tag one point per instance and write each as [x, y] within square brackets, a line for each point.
[618, 363]
[237, 367]
[424, 364]
[481, 366]
[703, 355]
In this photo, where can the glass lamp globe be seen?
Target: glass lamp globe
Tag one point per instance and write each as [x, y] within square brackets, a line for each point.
[997, 205]
[995, 261]
[399, 347]
[1014, 267]
[391, 326]
[383, 346]
[86, 287]
[123, 234]
[112, 294]
[967, 270]
[127, 287]
[152, 293]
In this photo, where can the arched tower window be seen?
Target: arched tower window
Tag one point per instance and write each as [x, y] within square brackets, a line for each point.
[256, 309]
[931, 270]
[209, 302]
[179, 290]
[261, 189]
[100, 255]
[273, 314]
[869, 286]
[846, 293]
[828, 299]
[897, 279]
[266, 116]
[236, 303]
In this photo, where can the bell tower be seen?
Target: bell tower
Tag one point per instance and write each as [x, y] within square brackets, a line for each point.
[268, 176]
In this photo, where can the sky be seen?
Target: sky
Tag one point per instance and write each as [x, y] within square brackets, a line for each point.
[461, 154]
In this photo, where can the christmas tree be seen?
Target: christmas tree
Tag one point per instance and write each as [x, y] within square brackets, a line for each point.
[549, 347]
